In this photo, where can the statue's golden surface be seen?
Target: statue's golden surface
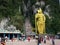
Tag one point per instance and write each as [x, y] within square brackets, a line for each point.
[40, 21]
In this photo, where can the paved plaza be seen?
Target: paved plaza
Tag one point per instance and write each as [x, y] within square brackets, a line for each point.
[32, 42]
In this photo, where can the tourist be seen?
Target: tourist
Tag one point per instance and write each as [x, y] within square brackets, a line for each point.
[53, 42]
[39, 41]
[29, 38]
[3, 41]
[20, 38]
[45, 40]
[6, 38]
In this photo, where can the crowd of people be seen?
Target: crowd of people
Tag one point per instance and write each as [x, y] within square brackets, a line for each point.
[45, 38]
[40, 39]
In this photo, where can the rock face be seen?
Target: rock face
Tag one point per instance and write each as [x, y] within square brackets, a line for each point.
[28, 27]
[3, 23]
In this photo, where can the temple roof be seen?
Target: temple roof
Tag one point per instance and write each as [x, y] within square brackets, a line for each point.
[6, 31]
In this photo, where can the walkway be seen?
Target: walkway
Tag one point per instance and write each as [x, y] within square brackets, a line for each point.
[32, 42]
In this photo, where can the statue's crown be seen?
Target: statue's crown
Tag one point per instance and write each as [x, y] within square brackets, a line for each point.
[39, 11]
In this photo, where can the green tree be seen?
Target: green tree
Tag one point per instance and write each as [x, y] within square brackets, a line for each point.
[53, 27]
[10, 8]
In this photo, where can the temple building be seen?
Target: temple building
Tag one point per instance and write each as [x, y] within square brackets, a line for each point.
[10, 34]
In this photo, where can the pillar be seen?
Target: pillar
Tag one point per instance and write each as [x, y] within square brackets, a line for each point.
[4, 35]
[13, 36]
[9, 36]
[18, 36]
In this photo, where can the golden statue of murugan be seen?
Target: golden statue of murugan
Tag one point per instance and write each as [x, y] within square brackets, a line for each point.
[40, 22]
